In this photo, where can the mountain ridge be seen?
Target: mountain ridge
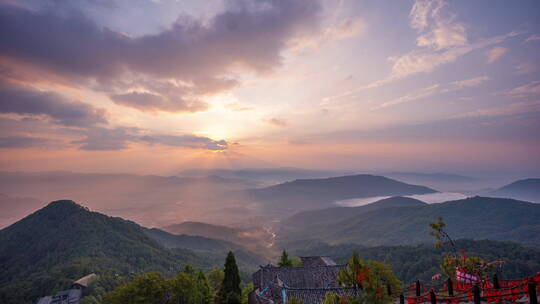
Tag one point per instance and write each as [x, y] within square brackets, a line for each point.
[524, 189]
[305, 194]
[48, 249]
[475, 217]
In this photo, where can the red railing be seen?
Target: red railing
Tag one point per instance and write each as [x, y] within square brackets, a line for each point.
[509, 290]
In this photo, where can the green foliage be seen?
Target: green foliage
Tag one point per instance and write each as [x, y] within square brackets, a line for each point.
[230, 292]
[189, 287]
[284, 260]
[296, 261]
[245, 292]
[206, 290]
[374, 225]
[48, 250]
[294, 300]
[148, 288]
[437, 232]
[472, 265]
[421, 262]
[215, 278]
[334, 298]
[372, 277]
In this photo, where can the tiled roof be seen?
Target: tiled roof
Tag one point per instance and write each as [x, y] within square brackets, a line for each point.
[310, 282]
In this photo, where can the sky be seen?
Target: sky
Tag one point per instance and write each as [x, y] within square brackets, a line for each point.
[158, 86]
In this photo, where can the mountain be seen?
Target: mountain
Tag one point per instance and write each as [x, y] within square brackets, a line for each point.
[411, 263]
[254, 237]
[264, 175]
[204, 229]
[525, 189]
[305, 194]
[149, 200]
[47, 250]
[446, 182]
[476, 217]
[193, 242]
[446, 177]
[326, 215]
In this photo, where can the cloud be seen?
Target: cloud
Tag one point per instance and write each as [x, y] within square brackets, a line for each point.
[441, 40]
[426, 61]
[471, 82]
[436, 30]
[525, 68]
[187, 141]
[276, 122]
[434, 90]
[103, 139]
[150, 102]
[233, 106]
[419, 94]
[534, 37]
[532, 88]
[346, 28]
[28, 101]
[22, 142]
[191, 53]
[495, 53]
[504, 110]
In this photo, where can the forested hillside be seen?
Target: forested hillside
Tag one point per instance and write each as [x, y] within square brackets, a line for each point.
[306, 194]
[423, 261]
[49, 249]
[374, 225]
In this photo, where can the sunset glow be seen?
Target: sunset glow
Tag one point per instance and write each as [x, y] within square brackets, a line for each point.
[360, 85]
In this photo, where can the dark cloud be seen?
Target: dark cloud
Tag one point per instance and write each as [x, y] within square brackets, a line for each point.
[23, 142]
[28, 101]
[189, 141]
[200, 56]
[102, 139]
[151, 102]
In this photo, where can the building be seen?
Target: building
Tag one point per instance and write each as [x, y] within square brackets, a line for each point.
[72, 295]
[310, 282]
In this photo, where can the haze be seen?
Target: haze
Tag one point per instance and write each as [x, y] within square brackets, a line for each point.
[174, 110]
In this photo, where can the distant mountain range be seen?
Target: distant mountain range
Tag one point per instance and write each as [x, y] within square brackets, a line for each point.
[446, 182]
[64, 241]
[397, 221]
[146, 199]
[305, 194]
[525, 189]
[265, 175]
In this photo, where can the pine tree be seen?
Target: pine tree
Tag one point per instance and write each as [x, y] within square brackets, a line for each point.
[284, 261]
[230, 292]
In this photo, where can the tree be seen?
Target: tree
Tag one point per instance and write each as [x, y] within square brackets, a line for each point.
[294, 300]
[374, 278]
[451, 263]
[284, 260]
[245, 292]
[146, 288]
[334, 298]
[215, 278]
[230, 292]
[439, 234]
[206, 290]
